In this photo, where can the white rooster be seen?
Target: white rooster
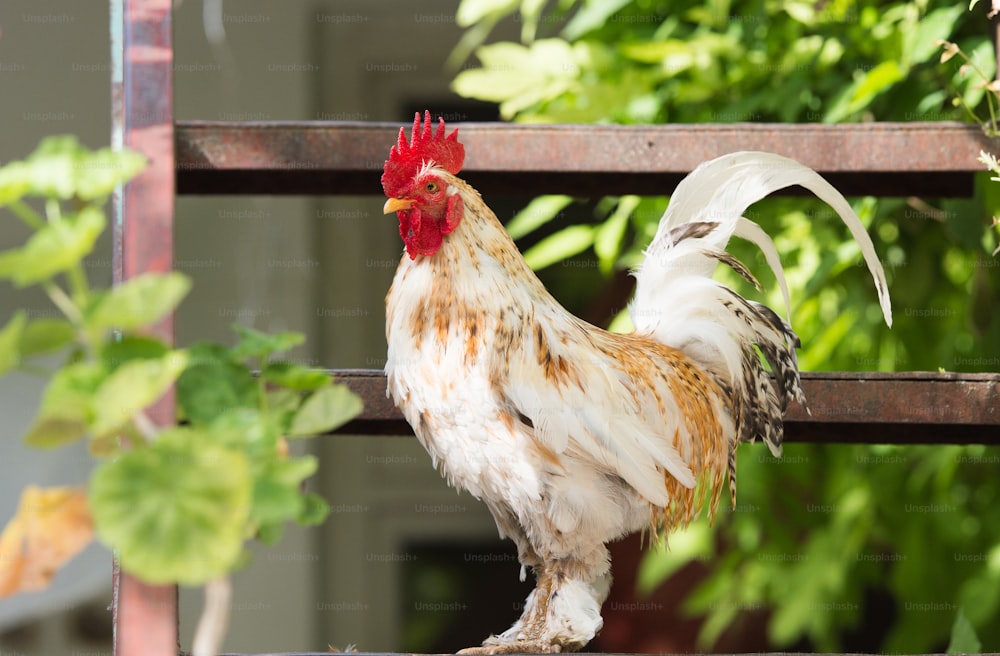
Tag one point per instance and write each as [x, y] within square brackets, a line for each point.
[571, 435]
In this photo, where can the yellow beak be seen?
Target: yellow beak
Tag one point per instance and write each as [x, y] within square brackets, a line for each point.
[397, 204]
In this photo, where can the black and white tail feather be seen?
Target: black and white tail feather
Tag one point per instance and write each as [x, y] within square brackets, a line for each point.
[678, 303]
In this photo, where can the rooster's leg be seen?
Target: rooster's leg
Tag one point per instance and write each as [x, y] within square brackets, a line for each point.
[561, 614]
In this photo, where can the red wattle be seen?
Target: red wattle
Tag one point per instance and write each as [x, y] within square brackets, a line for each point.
[420, 233]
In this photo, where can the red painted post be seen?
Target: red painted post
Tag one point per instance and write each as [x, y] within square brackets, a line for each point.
[145, 616]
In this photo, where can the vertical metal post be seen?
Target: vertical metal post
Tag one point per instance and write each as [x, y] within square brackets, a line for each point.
[145, 616]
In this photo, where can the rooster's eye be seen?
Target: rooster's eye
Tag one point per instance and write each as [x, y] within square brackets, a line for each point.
[431, 187]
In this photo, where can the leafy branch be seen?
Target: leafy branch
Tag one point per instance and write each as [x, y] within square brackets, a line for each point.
[177, 503]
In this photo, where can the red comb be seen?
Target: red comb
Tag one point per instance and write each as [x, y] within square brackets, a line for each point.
[425, 145]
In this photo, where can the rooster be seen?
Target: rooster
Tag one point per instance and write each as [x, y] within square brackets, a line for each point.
[571, 435]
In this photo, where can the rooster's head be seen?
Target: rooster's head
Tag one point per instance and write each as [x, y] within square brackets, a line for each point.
[428, 206]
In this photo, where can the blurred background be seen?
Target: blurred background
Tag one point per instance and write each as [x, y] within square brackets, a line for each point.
[833, 547]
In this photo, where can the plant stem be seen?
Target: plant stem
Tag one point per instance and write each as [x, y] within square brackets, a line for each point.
[262, 386]
[214, 618]
[53, 211]
[78, 284]
[991, 99]
[27, 215]
[63, 302]
[145, 426]
[35, 370]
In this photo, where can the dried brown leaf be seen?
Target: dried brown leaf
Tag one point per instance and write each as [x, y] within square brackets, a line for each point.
[50, 527]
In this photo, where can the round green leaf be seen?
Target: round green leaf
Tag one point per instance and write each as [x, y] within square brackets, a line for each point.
[248, 430]
[211, 388]
[132, 387]
[99, 172]
[62, 168]
[325, 410]
[138, 302]
[175, 511]
[53, 249]
[45, 336]
[132, 347]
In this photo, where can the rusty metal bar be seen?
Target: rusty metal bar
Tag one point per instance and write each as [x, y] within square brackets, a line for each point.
[871, 408]
[888, 159]
[144, 616]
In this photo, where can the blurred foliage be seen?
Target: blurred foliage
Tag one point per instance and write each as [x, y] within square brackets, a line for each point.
[820, 533]
[177, 502]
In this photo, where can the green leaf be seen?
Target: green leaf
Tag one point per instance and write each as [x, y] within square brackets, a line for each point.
[874, 82]
[54, 248]
[685, 546]
[276, 493]
[132, 347]
[560, 246]
[921, 44]
[61, 168]
[531, 11]
[249, 430]
[270, 533]
[325, 410]
[138, 302]
[473, 11]
[315, 510]
[591, 16]
[132, 387]
[295, 376]
[209, 352]
[212, 387]
[282, 399]
[10, 341]
[963, 636]
[497, 83]
[274, 502]
[609, 235]
[65, 413]
[175, 511]
[257, 344]
[673, 55]
[15, 182]
[537, 213]
[99, 172]
[520, 77]
[46, 335]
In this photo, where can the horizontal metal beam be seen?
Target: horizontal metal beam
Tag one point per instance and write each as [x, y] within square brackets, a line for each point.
[870, 408]
[327, 158]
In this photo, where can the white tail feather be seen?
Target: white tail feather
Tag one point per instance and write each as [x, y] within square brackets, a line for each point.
[678, 303]
[719, 191]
